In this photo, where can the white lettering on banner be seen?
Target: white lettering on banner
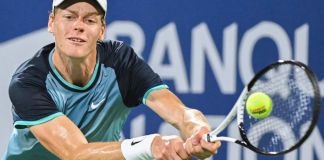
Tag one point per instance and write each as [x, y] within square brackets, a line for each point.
[203, 49]
[128, 29]
[301, 43]
[313, 146]
[233, 150]
[137, 126]
[321, 86]
[224, 70]
[301, 48]
[252, 36]
[167, 39]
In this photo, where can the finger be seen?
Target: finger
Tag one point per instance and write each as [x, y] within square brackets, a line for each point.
[175, 156]
[200, 153]
[173, 149]
[205, 154]
[181, 151]
[198, 135]
[205, 150]
[156, 147]
[189, 148]
[170, 153]
[195, 139]
[183, 155]
[211, 147]
[165, 151]
[198, 149]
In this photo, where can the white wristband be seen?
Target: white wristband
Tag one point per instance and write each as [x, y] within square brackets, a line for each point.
[138, 148]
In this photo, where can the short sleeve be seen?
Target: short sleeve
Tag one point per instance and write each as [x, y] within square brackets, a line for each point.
[135, 77]
[31, 103]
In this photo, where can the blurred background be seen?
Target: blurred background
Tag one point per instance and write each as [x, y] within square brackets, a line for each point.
[206, 51]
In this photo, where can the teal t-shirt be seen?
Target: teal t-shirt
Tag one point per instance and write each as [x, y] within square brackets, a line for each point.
[38, 93]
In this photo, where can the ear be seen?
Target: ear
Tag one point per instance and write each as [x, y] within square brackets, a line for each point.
[102, 32]
[50, 25]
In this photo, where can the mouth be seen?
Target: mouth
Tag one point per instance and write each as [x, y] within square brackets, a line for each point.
[76, 40]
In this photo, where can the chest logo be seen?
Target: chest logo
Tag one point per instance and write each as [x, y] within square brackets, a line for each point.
[96, 105]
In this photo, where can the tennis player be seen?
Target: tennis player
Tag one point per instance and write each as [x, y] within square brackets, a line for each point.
[71, 100]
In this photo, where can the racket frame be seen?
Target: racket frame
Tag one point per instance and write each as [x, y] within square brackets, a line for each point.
[238, 111]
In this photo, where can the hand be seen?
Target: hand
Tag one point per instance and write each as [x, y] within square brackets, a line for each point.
[198, 147]
[169, 147]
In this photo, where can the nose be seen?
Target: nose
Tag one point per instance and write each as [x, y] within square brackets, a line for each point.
[79, 29]
[79, 25]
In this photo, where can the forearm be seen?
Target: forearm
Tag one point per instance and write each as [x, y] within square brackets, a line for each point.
[61, 137]
[98, 151]
[172, 110]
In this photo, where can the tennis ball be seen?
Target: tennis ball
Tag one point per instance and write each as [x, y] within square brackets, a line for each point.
[259, 105]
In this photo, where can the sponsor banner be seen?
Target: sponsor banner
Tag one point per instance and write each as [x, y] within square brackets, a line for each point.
[205, 51]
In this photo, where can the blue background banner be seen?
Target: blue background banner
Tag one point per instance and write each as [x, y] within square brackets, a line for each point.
[206, 51]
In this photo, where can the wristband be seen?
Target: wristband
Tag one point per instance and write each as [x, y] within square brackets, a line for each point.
[138, 148]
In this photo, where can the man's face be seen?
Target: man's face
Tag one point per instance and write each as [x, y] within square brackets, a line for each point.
[77, 29]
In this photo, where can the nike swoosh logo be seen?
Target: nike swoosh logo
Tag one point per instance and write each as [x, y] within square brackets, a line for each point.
[135, 142]
[94, 106]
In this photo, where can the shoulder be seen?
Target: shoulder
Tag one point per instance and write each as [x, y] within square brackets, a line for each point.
[113, 53]
[111, 46]
[34, 69]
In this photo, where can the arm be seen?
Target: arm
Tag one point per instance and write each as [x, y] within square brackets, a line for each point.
[171, 109]
[191, 122]
[61, 137]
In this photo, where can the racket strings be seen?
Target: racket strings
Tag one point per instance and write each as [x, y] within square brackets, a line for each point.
[291, 91]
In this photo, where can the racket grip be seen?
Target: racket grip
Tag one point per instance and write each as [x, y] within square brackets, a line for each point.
[213, 138]
[210, 137]
[206, 137]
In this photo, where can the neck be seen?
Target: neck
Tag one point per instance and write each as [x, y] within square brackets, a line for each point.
[77, 71]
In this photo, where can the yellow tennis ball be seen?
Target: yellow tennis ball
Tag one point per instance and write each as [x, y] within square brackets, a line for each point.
[259, 105]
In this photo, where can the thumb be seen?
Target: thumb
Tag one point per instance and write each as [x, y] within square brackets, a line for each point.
[198, 135]
[196, 139]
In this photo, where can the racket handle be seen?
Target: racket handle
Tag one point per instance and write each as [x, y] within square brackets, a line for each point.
[206, 137]
[212, 138]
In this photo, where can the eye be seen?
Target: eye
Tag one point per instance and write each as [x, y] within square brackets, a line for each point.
[91, 20]
[69, 17]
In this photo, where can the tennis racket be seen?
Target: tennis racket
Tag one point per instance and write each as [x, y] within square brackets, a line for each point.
[295, 95]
